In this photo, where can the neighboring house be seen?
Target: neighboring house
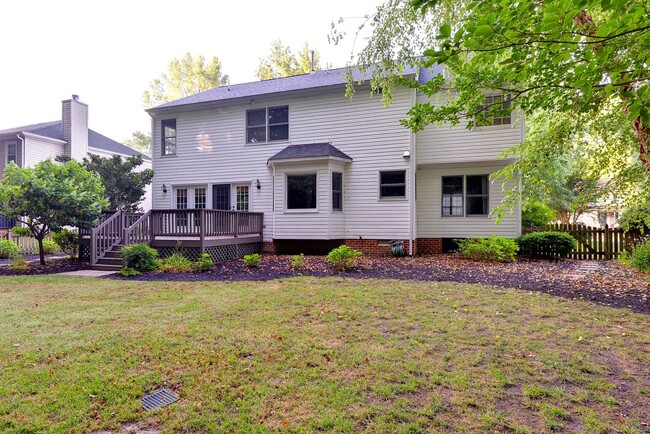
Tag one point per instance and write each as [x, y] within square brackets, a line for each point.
[30, 144]
[325, 169]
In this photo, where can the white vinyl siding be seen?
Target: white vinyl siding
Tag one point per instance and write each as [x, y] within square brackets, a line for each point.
[442, 144]
[432, 224]
[37, 150]
[211, 148]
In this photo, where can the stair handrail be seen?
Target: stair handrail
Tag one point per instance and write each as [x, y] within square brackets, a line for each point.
[140, 231]
[105, 236]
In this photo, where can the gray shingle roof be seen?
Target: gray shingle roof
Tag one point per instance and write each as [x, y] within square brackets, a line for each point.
[332, 77]
[54, 130]
[311, 150]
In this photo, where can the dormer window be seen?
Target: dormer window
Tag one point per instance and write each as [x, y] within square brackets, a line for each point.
[492, 103]
[168, 128]
[267, 125]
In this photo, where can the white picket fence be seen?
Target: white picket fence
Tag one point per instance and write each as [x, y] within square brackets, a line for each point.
[27, 245]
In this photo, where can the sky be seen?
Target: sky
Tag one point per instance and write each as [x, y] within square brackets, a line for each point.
[108, 52]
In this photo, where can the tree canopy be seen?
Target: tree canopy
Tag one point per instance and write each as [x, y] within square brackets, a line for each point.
[48, 196]
[140, 141]
[281, 62]
[124, 185]
[187, 76]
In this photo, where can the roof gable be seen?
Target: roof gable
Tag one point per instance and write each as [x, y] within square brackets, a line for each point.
[311, 150]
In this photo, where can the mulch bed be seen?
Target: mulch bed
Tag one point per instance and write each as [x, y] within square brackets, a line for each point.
[610, 284]
[53, 265]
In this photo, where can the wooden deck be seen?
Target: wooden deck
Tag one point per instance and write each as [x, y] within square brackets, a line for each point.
[202, 230]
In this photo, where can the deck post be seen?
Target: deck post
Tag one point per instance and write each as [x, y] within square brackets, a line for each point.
[151, 231]
[202, 231]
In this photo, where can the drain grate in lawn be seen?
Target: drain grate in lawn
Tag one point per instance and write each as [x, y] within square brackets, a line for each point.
[159, 398]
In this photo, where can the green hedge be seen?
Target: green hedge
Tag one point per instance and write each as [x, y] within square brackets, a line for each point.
[547, 244]
[492, 249]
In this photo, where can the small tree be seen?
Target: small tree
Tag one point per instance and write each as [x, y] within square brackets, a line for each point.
[48, 196]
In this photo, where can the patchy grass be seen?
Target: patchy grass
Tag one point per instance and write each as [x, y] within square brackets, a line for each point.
[308, 354]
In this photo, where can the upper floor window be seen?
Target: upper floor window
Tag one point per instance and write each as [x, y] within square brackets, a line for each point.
[267, 125]
[337, 191]
[392, 183]
[465, 195]
[168, 127]
[495, 102]
[301, 191]
[12, 152]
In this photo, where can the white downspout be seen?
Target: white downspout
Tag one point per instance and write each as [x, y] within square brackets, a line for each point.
[22, 157]
[413, 164]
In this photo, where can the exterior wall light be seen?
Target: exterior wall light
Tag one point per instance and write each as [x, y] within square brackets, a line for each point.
[164, 188]
[257, 184]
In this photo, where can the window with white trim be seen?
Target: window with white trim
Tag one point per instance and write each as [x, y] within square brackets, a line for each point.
[12, 152]
[301, 191]
[465, 195]
[200, 196]
[267, 124]
[337, 191]
[241, 192]
[392, 184]
[494, 111]
[168, 136]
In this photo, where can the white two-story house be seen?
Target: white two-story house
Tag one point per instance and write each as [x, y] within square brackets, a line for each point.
[325, 169]
[30, 144]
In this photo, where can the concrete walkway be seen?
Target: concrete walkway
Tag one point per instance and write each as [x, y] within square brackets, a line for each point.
[87, 273]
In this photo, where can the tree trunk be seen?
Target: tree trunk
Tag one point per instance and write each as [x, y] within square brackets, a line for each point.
[41, 253]
[643, 139]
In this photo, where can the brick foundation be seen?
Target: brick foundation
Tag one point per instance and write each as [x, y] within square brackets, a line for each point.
[322, 247]
[428, 245]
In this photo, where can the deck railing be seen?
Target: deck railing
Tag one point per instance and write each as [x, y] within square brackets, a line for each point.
[205, 223]
[138, 231]
[105, 236]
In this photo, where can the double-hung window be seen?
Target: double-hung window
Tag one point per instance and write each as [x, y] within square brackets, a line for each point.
[465, 195]
[168, 135]
[337, 191]
[12, 152]
[490, 111]
[267, 125]
[392, 184]
[301, 191]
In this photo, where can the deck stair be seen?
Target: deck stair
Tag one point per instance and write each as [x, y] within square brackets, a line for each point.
[111, 260]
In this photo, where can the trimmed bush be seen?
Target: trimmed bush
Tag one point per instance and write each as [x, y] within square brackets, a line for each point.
[547, 244]
[640, 257]
[50, 247]
[22, 231]
[298, 261]
[140, 257]
[490, 249]
[8, 249]
[129, 272]
[176, 263]
[252, 260]
[204, 263]
[343, 257]
[68, 241]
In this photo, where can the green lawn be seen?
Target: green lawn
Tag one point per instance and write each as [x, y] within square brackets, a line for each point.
[306, 354]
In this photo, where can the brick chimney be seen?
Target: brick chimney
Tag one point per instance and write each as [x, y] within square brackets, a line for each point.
[75, 127]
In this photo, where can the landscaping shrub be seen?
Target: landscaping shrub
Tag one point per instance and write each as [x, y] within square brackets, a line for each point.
[298, 261]
[19, 264]
[640, 257]
[204, 263]
[493, 249]
[343, 257]
[140, 257]
[68, 241]
[21, 231]
[536, 214]
[252, 260]
[8, 249]
[50, 247]
[129, 272]
[547, 244]
[176, 263]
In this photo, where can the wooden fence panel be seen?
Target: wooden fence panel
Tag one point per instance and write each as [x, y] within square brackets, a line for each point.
[595, 243]
[26, 245]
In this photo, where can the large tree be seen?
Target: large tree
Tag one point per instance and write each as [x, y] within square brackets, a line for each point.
[558, 57]
[187, 76]
[48, 196]
[140, 141]
[281, 62]
[124, 184]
